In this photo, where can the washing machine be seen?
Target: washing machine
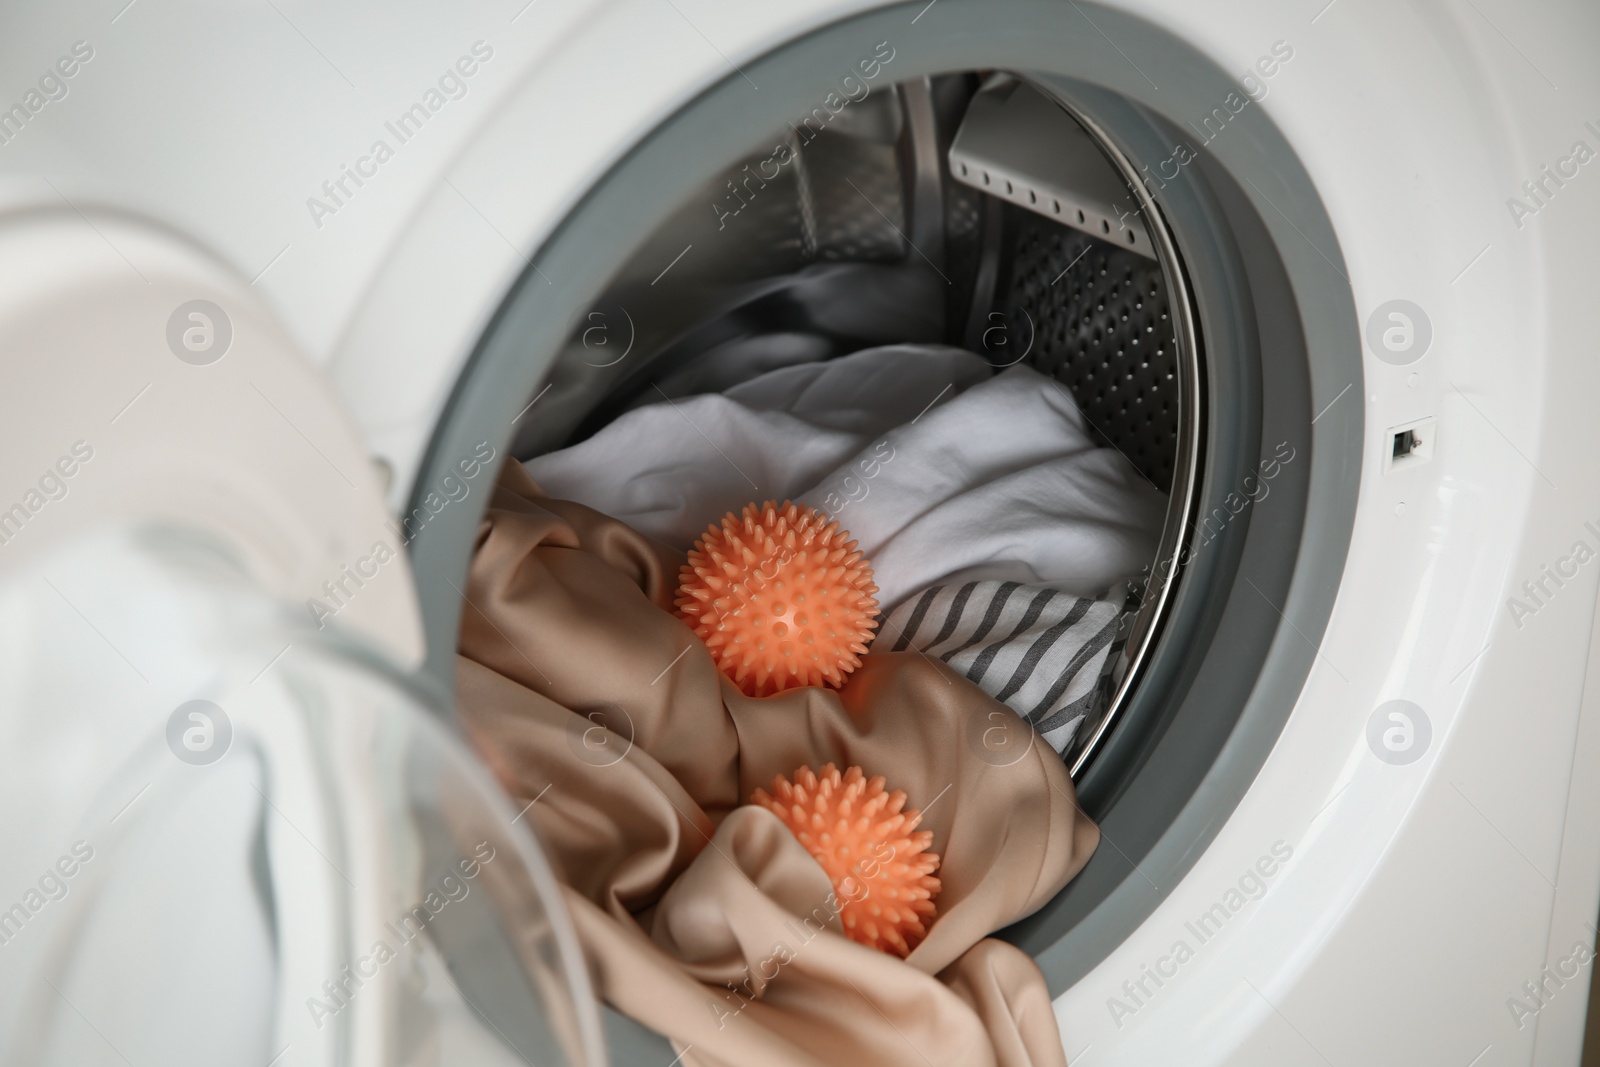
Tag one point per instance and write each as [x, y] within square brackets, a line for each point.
[285, 284]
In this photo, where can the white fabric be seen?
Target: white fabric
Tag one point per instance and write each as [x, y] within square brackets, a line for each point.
[1002, 482]
[998, 532]
[998, 480]
[672, 468]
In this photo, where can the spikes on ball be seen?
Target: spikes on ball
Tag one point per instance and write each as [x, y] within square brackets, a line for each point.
[870, 847]
[781, 597]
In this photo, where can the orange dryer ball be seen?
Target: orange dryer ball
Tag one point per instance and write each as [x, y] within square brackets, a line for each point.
[876, 858]
[781, 597]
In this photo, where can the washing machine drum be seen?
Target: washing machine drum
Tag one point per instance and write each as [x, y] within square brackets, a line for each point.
[1005, 214]
[1020, 257]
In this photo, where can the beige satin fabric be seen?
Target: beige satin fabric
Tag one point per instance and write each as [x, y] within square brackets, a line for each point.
[703, 917]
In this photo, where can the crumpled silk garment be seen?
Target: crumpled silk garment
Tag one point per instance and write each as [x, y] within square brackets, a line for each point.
[703, 917]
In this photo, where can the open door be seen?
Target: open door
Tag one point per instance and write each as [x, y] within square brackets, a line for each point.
[235, 833]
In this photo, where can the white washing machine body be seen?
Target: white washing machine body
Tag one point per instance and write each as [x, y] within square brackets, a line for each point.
[1398, 883]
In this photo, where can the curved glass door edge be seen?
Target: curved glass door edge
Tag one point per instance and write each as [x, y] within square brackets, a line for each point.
[231, 841]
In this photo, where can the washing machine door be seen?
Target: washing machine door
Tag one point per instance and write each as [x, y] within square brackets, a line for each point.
[233, 833]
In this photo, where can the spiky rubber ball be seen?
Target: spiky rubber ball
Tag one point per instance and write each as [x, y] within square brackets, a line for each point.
[781, 597]
[870, 847]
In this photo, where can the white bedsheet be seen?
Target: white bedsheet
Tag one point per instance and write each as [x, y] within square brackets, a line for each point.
[672, 468]
[948, 475]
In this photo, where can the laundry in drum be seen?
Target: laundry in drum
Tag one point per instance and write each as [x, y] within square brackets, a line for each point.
[746, 870]
[853, 614]
[827, 601]
[1003, 539]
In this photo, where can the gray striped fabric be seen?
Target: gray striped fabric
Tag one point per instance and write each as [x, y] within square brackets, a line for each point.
[1035, 649]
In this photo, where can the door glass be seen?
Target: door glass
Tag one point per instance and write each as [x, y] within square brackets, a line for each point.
[233, 839]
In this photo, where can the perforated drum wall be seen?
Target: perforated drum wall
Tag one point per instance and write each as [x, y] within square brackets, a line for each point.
[1099, 322]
